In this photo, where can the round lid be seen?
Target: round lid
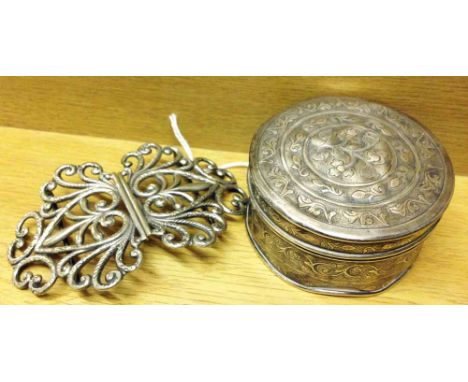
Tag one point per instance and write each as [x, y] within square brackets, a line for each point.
[351, 169]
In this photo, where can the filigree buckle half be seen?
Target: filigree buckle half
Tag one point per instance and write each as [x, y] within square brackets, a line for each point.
[97, 220]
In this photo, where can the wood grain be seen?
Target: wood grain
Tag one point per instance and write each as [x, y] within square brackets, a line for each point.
[229, 273]
[136, 108]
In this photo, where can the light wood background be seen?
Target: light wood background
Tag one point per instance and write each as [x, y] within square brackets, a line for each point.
[136, 108]
[72, 120]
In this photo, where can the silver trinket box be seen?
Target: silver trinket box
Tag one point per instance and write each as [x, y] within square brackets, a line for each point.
[343, 194]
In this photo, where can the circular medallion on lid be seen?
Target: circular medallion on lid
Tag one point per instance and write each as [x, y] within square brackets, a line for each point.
[351, 169]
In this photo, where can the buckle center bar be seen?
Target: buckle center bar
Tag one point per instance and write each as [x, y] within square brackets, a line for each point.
[133, 206]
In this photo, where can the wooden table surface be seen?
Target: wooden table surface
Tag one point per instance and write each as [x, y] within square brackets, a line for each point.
[231, 272]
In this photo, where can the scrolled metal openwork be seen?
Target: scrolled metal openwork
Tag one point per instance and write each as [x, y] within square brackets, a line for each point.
[91, 224]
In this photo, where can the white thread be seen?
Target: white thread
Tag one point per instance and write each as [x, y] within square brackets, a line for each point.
[234, 164]
[183, 142]
[185, 145]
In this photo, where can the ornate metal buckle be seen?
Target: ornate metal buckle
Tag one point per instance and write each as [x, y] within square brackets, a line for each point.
[97, 220]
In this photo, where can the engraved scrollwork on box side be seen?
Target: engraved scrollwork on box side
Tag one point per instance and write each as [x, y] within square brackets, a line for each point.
[311, 270]
[325, 242]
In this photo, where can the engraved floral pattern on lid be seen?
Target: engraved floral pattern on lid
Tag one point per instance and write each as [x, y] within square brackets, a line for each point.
[350, 168]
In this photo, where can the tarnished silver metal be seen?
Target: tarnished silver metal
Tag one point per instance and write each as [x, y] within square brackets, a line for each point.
[343, 193]
[91, 224]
